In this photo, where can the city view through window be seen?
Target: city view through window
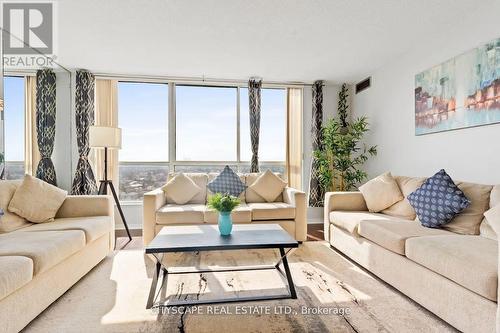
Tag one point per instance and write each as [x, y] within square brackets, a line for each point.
[14, 125]
[206, 130]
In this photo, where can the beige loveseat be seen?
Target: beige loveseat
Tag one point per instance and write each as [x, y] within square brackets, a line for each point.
[289, 210]
[40, 262]
[453, 275]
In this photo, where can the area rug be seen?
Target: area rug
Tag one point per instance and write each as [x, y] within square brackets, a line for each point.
[334, 295]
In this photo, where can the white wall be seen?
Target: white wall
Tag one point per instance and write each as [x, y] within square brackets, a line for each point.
[471, 154]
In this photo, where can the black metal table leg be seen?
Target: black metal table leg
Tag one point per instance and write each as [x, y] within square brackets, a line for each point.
[291, 286]
[154, 284]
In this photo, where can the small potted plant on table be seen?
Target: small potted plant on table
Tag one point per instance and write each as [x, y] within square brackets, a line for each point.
[224, 204]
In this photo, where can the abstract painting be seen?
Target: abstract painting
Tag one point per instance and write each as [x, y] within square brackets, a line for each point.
[461, 92]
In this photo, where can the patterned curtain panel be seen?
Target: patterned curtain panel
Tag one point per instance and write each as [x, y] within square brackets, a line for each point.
[254, 87]
[316, 192]
[84, 182]
[46, 123]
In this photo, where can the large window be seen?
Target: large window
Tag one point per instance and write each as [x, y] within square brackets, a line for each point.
[14, 126]
[143, 117]
[206, 123]
[211, 129]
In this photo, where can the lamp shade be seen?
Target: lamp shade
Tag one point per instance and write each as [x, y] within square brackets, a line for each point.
[105, 137]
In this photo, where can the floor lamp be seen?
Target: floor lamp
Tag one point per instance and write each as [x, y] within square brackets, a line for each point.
[108, 138]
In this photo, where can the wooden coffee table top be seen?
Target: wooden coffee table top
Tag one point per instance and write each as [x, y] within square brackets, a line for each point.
[206, 237]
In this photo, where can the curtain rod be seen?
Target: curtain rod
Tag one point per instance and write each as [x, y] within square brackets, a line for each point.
[185, 79]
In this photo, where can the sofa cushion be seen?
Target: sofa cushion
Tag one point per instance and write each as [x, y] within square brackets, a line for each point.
[213, 175]
[93, 227]
[269, 186]
[241, 214]
[180, 189]
[470, 261]
[402, 208]
[392, 234]
[45, 248]
[200, 179]
[381, 192]
[349, 220]
[251, 195]
[469, 220]
[438, 200]
[227, 182]
[272, 211]
[36, 200]
[173, 214]
[9, 221]
[16, 272]
[486, 229]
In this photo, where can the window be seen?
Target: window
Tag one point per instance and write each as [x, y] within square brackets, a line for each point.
[272, 140]
[14, 126]
[143, 117]
[206, 123]
[206, 132]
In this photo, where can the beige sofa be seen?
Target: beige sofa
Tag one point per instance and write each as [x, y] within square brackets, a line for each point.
[455, 276]
[40, 262]
[289, 210]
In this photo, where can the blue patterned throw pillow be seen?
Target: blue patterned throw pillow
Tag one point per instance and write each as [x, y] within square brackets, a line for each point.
[438, 200]
[227, 182]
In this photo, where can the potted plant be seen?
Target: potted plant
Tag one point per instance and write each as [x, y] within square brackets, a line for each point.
[224, 204]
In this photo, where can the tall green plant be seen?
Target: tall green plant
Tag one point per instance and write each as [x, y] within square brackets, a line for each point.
[343, 152]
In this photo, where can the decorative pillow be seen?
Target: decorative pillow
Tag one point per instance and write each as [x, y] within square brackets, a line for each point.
[9, 221]
[438, 200]
[181, 189]
[227, 182]
[469, 220]
[381, 192]
[269, 186]
[402, 208]
[36, 200]
[493, 217]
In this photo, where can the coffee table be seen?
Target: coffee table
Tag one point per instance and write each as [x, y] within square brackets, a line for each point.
[194, 238]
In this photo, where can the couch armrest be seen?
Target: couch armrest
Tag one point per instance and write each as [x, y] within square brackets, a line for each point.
[153, 201]
[86, 205]
[297, 199]
[341, 201]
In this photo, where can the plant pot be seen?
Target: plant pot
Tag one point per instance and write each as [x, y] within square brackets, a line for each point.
[225, 223]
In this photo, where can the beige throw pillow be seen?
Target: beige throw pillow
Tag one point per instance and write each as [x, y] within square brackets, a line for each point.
[9, 221]
[180, 189]
[381, 192]
[268, 186]
[493, 217]
[36, 200]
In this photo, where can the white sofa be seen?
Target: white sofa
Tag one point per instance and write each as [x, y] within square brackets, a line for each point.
[41, 262]
[455, 276]
[289, 210]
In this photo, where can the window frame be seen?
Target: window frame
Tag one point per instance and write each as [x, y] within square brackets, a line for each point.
[172, 124]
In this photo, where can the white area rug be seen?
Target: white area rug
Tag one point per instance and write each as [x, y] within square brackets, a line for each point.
[112, 297]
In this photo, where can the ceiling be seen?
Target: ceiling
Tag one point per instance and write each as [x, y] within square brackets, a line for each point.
[279, 40]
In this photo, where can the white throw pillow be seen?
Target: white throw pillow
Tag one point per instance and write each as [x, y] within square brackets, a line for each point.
[9, 221]
[381, 192]
[180, 189]
[269, 186]
[36, 200]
